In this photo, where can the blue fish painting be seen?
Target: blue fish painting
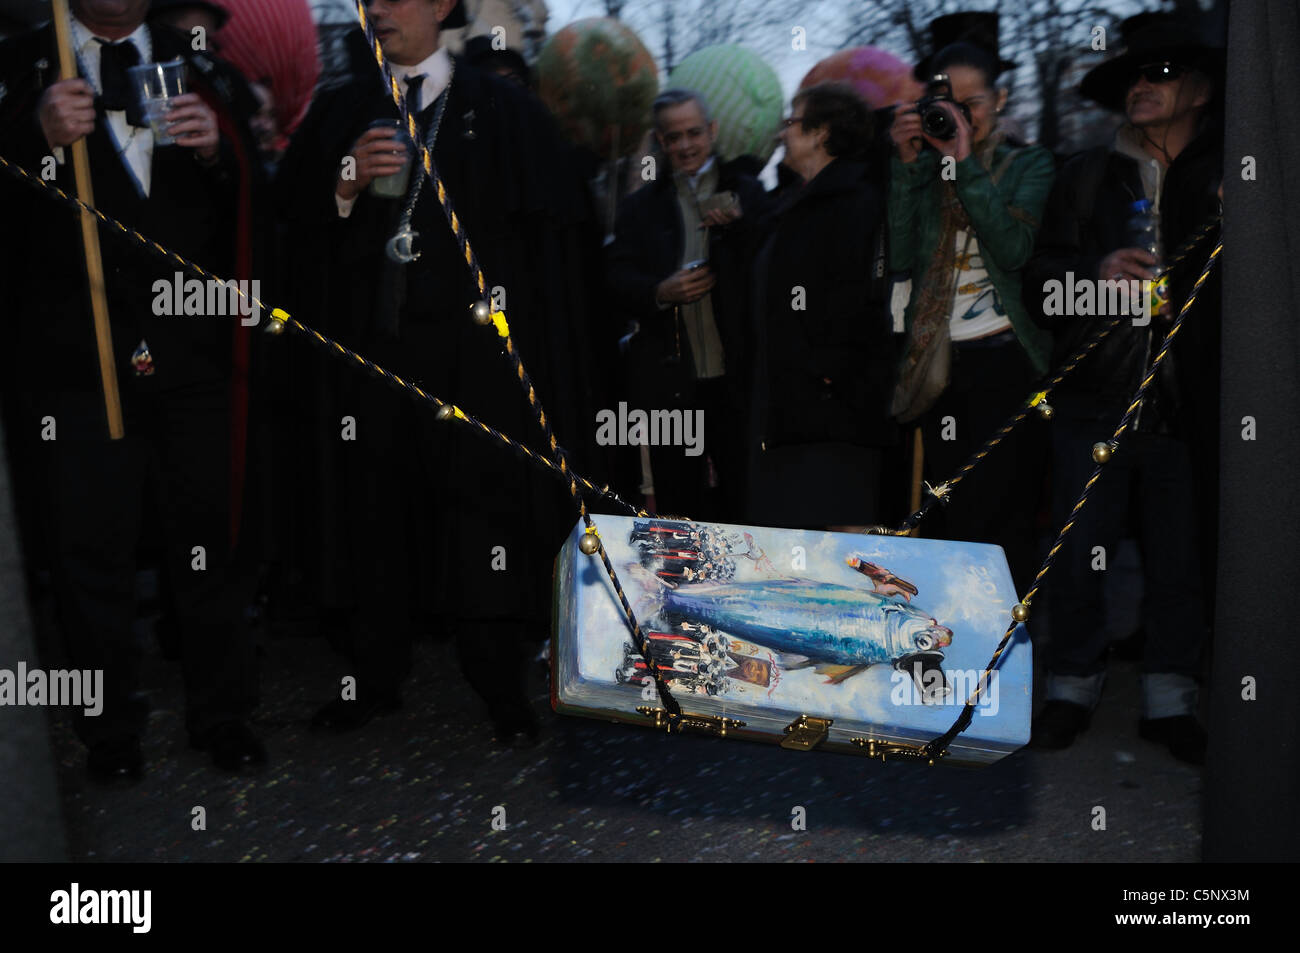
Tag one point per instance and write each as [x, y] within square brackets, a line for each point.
[819, 622]
[838, 629]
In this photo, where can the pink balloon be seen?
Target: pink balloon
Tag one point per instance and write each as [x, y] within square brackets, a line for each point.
[879, 77]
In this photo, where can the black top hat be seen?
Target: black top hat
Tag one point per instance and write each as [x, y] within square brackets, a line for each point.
[480, 52]
[977, 29]
[162, 6]
[1149, 38]
[456, 18]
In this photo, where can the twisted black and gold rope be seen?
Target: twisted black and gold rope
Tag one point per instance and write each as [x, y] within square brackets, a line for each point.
[934, 749]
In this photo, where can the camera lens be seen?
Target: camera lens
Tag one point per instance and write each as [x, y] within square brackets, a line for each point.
[937, 123]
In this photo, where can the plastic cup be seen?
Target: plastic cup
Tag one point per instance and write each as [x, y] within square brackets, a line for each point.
[155, 85]
[394, 186]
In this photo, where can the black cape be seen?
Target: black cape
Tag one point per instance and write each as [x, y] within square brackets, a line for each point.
[529, 222]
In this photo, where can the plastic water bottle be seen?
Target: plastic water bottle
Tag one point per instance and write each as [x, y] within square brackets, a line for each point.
[1142, 234]
[1142, 227]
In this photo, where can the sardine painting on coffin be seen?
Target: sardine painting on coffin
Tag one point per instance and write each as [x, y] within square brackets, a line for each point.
[887, 637]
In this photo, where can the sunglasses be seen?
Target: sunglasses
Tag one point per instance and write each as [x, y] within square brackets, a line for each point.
[1160, 72]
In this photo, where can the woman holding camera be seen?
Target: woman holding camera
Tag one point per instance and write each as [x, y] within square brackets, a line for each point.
[824, 356]
[963, 212]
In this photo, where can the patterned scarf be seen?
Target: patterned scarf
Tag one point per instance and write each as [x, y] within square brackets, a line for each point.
[927, 362]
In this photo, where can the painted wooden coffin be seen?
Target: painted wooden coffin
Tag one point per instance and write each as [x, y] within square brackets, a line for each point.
[883, 637]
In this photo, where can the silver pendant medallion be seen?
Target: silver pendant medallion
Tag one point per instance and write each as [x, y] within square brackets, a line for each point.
[399, 247]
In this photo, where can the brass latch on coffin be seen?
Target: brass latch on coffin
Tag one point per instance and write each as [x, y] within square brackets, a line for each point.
[895, 749]
[806, 733]
[688, 721]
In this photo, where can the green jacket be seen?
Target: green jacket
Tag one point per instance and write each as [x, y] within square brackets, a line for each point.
[1006, 240]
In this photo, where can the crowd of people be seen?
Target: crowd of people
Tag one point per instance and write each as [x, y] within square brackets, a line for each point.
[260, 471]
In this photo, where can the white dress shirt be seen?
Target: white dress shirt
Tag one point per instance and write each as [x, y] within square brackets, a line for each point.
[437, 74]
[694, 180]
[133, 144]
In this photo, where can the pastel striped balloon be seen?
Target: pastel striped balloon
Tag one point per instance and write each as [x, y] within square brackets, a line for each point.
[743, 93]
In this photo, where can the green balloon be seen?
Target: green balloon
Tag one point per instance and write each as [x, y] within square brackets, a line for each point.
[743, 93]
[598, 79]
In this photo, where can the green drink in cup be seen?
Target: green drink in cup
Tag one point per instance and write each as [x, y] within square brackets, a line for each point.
[394, 186]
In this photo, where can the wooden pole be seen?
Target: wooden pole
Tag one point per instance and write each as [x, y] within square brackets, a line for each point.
[90, 235]
[918, 461]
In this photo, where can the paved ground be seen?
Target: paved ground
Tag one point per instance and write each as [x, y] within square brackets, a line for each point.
[422, 785]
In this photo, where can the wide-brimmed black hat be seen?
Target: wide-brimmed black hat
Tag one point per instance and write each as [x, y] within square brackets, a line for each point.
[1150, 38]
[163, 6]
[977, 29]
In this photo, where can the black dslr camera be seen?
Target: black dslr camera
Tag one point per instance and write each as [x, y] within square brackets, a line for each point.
[936, 122]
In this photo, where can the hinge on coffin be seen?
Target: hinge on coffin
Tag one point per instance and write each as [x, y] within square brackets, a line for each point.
[898, 749]
[689, 721]
[806, 733]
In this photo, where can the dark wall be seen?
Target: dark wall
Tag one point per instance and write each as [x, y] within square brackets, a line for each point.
[1253, 771]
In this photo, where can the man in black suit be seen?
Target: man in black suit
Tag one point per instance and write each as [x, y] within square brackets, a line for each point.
[173, 371]
[424, 523]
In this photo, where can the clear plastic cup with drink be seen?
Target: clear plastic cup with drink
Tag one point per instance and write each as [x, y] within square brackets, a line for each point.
[155, 85]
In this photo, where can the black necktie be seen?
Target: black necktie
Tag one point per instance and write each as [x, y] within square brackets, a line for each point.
[414, 94]
[114, 58]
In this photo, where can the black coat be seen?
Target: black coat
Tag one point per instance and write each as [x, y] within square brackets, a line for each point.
[528, 221]
[646, 249]
[1085, 220]
[190, 209]
[823, 373]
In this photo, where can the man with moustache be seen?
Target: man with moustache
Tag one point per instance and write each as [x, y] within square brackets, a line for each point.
[1167, 82]
[424, 525]
[97, 497]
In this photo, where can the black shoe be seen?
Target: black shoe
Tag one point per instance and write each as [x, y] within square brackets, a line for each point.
[514, 725]
[1184, 738]
[118, 759]
[232, 744]
[1058, 724]
[341, 715]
